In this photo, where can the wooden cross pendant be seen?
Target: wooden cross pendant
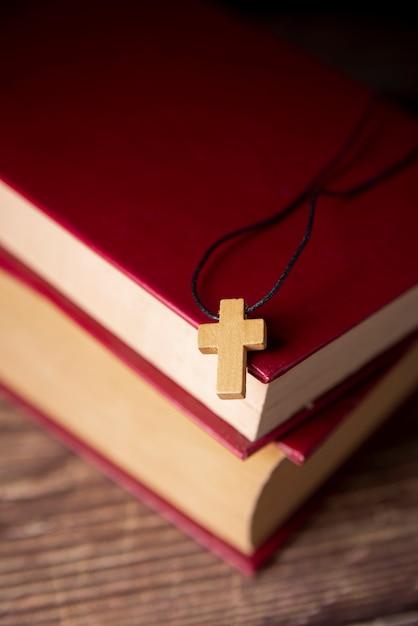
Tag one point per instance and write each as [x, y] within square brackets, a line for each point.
[230, 338]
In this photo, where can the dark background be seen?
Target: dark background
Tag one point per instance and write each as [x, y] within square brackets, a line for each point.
[376, 43]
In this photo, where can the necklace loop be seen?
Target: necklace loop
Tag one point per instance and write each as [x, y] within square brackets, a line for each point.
[312, 192]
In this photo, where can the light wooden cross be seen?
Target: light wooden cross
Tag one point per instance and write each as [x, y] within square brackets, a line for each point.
[230, 338]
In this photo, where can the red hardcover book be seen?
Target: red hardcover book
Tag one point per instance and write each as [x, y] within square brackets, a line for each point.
[298, 436]
[134, 137]
[242, 510]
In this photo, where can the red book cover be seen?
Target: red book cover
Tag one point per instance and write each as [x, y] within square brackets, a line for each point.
[149, 131]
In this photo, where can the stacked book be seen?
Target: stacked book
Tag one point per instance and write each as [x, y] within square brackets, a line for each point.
[132, 138]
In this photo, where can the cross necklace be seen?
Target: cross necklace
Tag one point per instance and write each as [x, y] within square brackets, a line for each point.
[233, 334]
[230, 339]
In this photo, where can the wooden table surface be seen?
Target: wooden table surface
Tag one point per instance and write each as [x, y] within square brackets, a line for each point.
[76, 550]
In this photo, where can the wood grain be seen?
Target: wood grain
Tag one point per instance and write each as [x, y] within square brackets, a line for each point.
[76, 550]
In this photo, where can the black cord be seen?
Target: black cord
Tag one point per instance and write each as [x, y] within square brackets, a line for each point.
[313, 190]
